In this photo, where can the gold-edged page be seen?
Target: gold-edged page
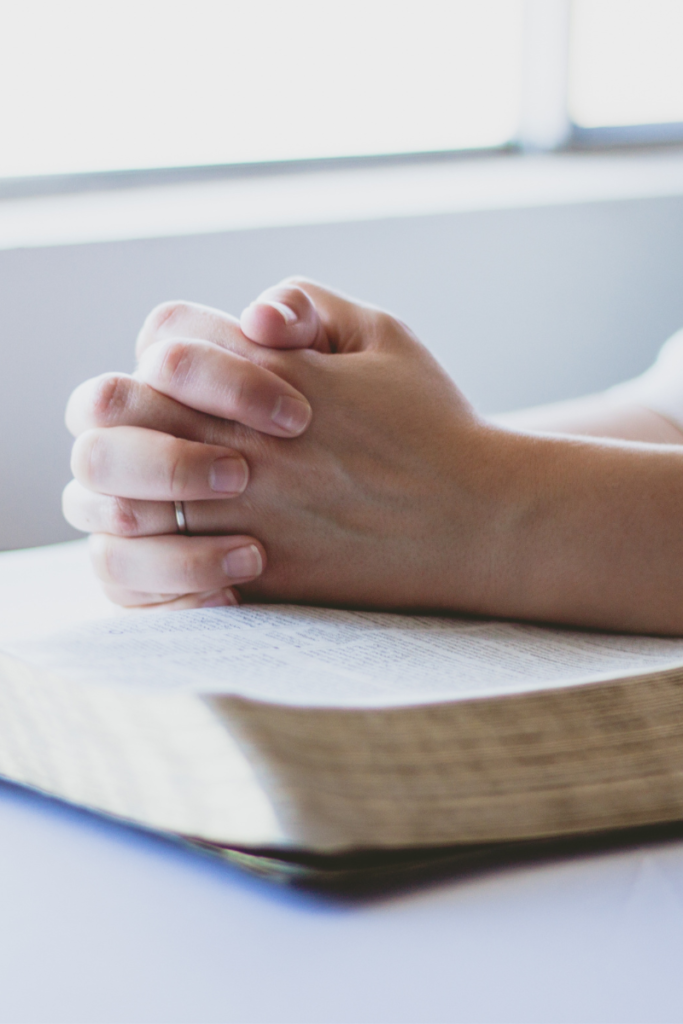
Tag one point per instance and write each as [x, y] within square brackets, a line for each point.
[561, 761]
[363, 728]
[159, 759]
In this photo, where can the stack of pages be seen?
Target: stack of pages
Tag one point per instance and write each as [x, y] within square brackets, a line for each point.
[323, 746]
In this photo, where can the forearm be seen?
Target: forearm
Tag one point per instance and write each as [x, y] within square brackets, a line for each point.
[646, 408]
[589, 533]
[599, 415]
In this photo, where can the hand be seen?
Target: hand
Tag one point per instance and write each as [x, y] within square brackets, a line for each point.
[396, 496]
[358, 510]
[133, 410]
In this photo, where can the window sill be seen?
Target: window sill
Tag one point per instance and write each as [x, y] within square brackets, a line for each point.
[325, 197]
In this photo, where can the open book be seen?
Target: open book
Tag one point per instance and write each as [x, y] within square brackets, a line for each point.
[291, 738]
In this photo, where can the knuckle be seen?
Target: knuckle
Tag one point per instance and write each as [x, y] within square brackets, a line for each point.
[239, 384]
[384, 321]
[108, 399]
[175, 363]
[105, 558]
[88, 458]
[250, 395]
[385, 328]
[293, 295]
[161, 321]
[164, 316]
[123, 520]
[240, 391]
[178, 468]
[191, 569]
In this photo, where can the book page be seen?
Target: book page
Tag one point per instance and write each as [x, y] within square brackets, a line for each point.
[326, 657]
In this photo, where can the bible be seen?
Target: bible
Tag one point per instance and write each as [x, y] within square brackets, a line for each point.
[320, 744]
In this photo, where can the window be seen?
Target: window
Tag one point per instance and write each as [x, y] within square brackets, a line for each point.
[92, 85]
[128, 85]
[626, 64]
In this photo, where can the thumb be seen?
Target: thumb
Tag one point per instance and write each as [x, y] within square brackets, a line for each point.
[299, 313]
[284, 317]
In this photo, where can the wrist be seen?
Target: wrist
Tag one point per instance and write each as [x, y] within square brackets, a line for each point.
[582, 532]
[500, 502]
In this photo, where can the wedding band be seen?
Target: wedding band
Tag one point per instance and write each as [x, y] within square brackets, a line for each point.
[180, 518]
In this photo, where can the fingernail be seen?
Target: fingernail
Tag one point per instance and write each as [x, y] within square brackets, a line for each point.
[243, 563]
[229, 475]
[287, 314]
[291, 414]
[219, 599]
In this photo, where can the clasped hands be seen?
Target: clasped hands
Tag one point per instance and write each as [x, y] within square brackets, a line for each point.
[321, 454]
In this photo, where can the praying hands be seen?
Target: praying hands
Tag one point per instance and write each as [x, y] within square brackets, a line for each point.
[314, 451]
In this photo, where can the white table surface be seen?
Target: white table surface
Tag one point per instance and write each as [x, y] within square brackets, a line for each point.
[100, 923]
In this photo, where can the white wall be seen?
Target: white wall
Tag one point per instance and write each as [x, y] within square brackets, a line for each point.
[521, 306]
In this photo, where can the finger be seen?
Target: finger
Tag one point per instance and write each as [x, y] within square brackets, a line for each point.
[171, 602]
[125, 517]
[119, 400]
[347, 325]
[284, 317]
[136, 598]
[176, 565]
[131, 462]
[221, 383]
[226, 598]
[102, 513]
[192, 320]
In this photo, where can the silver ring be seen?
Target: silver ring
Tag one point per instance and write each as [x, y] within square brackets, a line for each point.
[180, 518]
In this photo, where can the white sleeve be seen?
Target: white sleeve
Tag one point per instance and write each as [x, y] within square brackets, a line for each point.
[661, 387]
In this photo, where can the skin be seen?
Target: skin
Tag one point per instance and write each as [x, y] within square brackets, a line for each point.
[391, 493]
[596, 416]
